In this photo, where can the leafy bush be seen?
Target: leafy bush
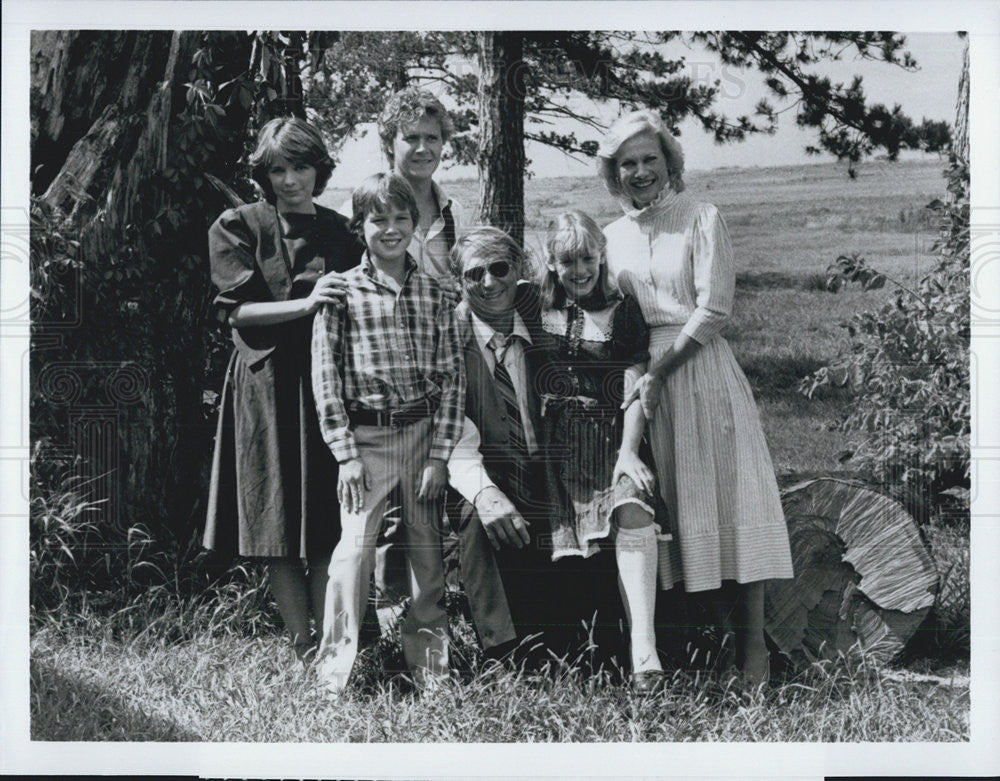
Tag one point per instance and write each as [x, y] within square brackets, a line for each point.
[124, 347]
[908, 365]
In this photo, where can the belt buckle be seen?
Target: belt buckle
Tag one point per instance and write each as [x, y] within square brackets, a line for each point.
[400, 418]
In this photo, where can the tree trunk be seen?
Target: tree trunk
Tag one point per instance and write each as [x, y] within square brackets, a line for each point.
[501, 131]
[75, 77]
[961, 143]
[106, 137]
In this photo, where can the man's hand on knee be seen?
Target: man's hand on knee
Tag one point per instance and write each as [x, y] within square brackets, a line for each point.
[501, 520]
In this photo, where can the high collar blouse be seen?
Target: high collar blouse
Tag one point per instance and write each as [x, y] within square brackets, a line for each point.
[675, 258]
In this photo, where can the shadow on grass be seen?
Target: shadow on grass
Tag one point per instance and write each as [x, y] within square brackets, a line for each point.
[773, 376]
[70, 709]
[781, 280]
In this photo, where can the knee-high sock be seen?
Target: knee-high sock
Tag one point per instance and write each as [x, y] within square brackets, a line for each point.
[635, 553]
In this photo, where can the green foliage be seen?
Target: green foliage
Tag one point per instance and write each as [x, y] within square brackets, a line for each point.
[846, 125]
[909, 367]
[347, 86]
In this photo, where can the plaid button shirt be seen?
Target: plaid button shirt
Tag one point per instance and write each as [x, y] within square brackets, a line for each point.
[386, 348]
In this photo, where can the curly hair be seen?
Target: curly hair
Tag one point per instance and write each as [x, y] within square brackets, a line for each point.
[296, 140]
[628, 126]
[406, 107]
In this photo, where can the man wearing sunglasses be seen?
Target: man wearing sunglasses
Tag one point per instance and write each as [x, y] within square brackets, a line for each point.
[496, 320]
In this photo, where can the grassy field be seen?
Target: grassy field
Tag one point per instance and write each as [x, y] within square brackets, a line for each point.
[87, 685]
[217, 669]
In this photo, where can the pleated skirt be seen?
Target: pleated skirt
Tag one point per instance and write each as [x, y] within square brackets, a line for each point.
[715, 473]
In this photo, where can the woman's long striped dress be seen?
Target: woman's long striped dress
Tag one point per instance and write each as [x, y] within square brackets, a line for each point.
[715, 472]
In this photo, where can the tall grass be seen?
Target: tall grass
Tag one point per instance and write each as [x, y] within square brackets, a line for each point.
[88, 686]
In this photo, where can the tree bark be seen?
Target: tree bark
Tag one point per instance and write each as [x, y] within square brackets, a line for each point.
[140, 349]
[961, 143]
[75, 76]
[501, 159]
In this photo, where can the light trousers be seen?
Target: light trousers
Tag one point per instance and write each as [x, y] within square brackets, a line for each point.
[391, 457]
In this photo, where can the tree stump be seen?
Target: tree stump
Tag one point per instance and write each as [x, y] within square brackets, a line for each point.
[863, 574]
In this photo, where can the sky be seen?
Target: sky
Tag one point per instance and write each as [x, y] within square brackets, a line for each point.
[928, 92]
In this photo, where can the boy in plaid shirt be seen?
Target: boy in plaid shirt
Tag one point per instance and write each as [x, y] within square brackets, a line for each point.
[389, 382]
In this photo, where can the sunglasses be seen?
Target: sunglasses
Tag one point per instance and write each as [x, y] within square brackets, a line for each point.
[498, 269]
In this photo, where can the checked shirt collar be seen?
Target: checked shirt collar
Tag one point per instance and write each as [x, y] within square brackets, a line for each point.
[383, 280]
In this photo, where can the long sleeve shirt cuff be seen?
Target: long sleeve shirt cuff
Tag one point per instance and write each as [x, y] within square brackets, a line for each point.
[704, 324]
[343, 446]
[441, 448]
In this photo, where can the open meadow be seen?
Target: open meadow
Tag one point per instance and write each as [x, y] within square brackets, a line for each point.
[216, 668]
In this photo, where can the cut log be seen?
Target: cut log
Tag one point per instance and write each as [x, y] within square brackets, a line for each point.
[863, 575]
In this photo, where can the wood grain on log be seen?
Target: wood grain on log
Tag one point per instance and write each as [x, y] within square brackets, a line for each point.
[863, 575]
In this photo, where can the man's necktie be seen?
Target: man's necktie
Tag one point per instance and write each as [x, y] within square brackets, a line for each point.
[515, 426]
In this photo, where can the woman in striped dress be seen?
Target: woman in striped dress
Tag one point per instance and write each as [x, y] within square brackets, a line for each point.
[672, 254]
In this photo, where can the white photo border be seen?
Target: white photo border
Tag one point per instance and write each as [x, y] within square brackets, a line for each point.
[979, 756]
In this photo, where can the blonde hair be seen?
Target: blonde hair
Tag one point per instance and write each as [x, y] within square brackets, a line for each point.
[571, 234]
[486, 242]
[629, 126]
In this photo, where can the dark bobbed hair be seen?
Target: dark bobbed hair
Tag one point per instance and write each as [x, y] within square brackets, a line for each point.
[489, 242]
[406, 107]
[295, 139]
[571, 234]
[379, 193]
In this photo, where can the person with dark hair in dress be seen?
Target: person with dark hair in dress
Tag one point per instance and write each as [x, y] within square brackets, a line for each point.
[273, 486]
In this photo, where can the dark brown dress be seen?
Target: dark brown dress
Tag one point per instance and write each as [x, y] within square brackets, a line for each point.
[582, 388]
[274, 480]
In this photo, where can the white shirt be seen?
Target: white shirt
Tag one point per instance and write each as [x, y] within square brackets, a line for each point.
[513, 361]
[466, 472]
[431, 250]
[675, 258]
